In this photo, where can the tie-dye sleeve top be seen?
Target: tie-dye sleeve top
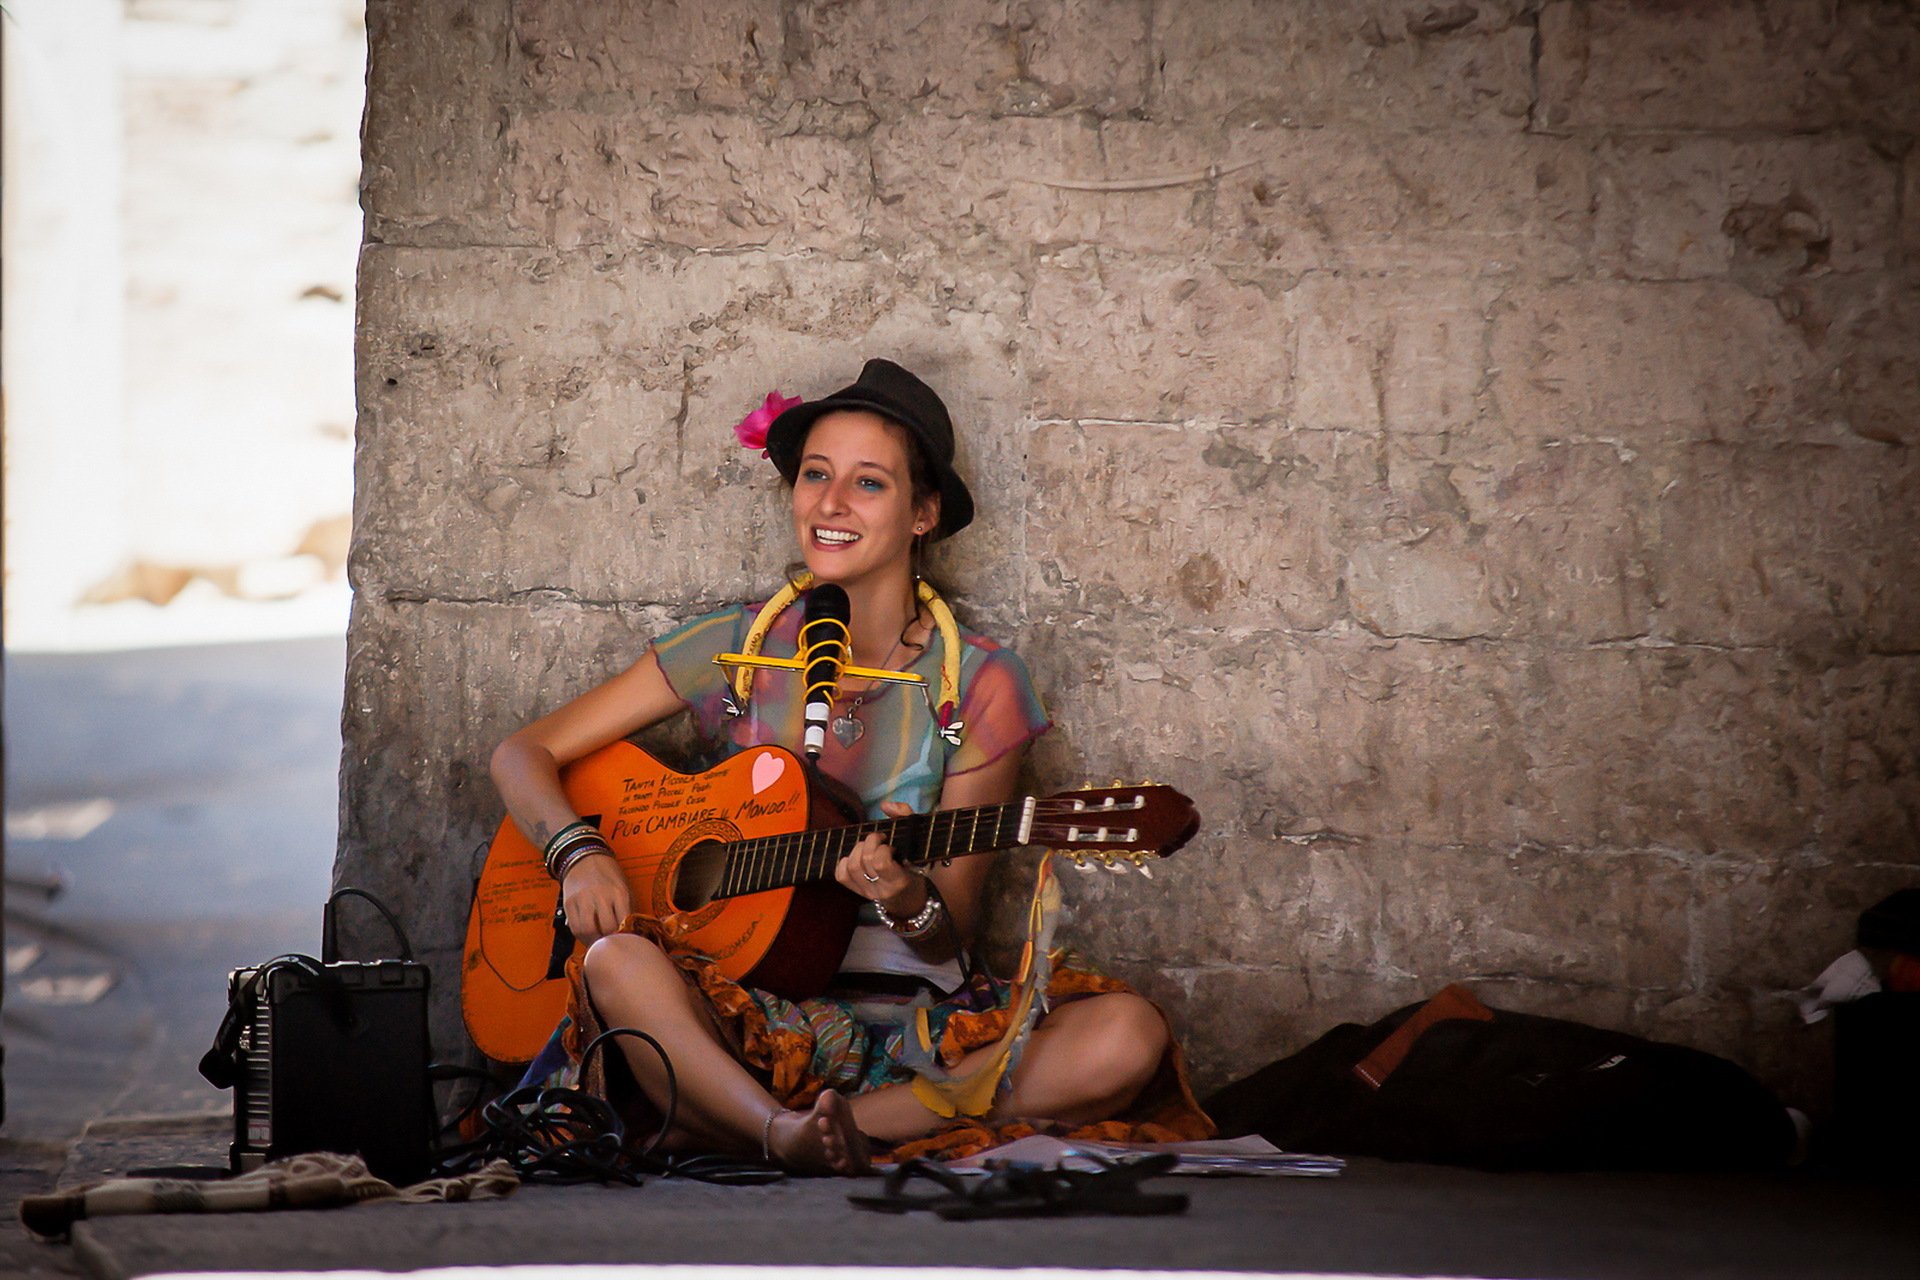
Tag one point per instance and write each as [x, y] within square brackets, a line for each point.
[899, 753]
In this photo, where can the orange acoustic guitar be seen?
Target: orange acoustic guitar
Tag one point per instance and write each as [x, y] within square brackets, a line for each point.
[738, 861]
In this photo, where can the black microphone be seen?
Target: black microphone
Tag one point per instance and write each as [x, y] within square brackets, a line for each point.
[826, 644]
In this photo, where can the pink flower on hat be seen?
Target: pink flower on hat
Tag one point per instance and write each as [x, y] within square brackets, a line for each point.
[751, 431]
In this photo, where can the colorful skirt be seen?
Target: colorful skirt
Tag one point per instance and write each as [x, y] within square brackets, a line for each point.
[798, 1049]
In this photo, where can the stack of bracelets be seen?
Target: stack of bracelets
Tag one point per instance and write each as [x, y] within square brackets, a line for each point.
[576, 840]
[920, 924]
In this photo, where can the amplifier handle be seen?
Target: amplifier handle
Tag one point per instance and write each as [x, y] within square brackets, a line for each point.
[329, 939]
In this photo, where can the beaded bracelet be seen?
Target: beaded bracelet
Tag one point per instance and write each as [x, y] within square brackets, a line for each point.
[579, 853]
[920, 924]
[575, 835]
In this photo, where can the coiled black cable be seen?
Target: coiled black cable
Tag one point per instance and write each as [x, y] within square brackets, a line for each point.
[564, 1136]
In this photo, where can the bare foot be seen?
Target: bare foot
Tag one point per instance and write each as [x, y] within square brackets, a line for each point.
[822, 1140]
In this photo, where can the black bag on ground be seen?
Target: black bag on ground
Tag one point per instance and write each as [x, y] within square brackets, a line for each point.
[1516, 1091]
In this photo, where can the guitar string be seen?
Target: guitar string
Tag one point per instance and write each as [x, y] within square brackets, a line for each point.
[771, 861]
[789, 858]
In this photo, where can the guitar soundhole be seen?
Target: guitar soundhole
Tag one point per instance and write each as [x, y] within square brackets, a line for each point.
[699, 875]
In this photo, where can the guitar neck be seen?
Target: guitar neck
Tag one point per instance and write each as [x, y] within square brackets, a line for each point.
[775, 862]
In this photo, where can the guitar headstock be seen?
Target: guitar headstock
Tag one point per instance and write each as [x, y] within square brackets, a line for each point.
[1119, 827]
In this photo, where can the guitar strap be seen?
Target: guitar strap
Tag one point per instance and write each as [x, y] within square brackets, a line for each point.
[943, 621]
[947, 1094]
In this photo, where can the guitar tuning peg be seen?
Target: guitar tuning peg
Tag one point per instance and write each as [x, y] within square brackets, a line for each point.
[1079, 861]
[1118, 783]
[1143, 863]
[1118, 866]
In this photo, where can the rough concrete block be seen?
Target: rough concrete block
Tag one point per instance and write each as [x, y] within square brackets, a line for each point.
[1197, 526]
[705, 181]
[1237, 1020]
[1786, 65]
[1398, 352]
[1608, 920]
[1866, 327]
[510, 465]
[1197, 341]
[718, 53]
[1871, 753]
[1417, 741]
[1681, 749]
[1240, 749]
[1219, 901]
[1298, 736]
[1342, 931]
[950, 58]
[1764, 211]
[433, 157]
[1485, 537]
[1643, 364]
[1440, 589]
[947, 182]
[1356, 198]
[1086, 55]
[1767, 547]
[1910, 205]
[1447, 743]
[1397, 62]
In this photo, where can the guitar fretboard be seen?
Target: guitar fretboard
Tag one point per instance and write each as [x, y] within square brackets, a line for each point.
[774, 862]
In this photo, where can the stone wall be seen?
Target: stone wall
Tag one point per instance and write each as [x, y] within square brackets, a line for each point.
[1469, 447]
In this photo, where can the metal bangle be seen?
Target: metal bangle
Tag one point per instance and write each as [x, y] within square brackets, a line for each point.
[921, 922]
[578, 824]
[560, 849]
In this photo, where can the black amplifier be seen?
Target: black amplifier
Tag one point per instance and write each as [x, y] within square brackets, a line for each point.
[332, 1057]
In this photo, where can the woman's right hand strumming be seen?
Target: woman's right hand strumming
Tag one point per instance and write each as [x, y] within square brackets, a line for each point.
[595, 897]
[526, 768]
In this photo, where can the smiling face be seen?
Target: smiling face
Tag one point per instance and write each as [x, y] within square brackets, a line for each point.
[854, 509]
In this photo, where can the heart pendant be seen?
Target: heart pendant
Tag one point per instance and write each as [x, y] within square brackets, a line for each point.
[847, 729]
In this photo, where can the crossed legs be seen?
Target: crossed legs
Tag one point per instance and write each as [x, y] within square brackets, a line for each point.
[1085, 1061]
[720, 1105]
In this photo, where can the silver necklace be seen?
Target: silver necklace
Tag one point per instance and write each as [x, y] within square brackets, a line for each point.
[847, 726]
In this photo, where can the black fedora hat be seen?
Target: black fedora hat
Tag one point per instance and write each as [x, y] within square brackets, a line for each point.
[890, 391]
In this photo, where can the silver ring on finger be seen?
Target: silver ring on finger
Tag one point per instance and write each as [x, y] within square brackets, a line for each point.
[871, 879]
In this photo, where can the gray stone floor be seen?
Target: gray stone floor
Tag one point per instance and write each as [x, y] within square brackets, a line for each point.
[1378, 1219]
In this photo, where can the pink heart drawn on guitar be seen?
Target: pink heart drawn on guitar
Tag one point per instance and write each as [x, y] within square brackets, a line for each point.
[766, 771]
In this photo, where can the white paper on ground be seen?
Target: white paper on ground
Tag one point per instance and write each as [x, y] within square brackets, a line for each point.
[1849, 978]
